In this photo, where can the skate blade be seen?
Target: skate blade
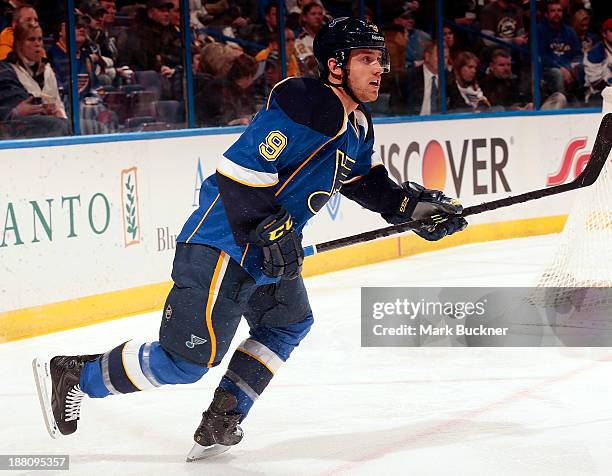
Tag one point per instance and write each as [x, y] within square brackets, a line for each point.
[42, 378]
[199, 452]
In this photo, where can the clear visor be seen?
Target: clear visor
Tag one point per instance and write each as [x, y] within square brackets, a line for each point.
[375, 55]
[385, 60]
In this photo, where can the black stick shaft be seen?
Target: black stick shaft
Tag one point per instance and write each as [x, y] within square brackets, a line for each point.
[599, 156]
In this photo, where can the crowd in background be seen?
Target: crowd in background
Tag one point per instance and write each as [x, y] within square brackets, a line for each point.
[131, 64]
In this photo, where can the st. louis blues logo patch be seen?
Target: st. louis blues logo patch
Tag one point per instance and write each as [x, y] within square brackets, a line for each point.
[195, 340]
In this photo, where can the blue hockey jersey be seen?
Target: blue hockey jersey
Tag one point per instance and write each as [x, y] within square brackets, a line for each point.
[300, 149]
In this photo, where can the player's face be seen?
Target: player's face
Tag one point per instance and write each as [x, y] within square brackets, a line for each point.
[365, 72]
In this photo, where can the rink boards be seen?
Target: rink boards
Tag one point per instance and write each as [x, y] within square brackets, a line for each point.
[87, 230]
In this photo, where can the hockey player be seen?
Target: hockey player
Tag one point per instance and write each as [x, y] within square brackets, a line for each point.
[240, 252]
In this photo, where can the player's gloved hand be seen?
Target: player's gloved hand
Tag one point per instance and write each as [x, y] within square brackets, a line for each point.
[420, 202]
[440, 230]
[282, 250]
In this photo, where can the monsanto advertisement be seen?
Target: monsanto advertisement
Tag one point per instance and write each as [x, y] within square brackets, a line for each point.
[85, 219]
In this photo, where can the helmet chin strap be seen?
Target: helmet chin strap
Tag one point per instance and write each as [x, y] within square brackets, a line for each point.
[344, 85]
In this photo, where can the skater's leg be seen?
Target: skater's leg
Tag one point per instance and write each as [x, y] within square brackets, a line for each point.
[199, 320]
[258, 358]
[133, 367]
[280, 317]
[250, 370]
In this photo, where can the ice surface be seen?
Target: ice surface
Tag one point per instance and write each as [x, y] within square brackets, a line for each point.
[337, 408]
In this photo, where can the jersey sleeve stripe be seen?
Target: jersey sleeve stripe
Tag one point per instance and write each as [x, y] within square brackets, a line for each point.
[246, 176]
[341, 131]
[203, 218]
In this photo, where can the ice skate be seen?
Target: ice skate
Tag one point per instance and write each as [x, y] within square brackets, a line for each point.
[61, 407]
[218, 430]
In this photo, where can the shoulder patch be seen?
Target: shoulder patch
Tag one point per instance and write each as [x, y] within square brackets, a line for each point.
[311, 103]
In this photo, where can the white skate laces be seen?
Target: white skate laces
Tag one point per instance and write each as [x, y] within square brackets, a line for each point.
[73, 403]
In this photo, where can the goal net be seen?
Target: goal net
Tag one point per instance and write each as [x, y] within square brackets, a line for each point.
[584, 255]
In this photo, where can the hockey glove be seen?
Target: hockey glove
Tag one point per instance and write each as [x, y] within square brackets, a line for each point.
[282, 250]
[440, 230]
[420, 202]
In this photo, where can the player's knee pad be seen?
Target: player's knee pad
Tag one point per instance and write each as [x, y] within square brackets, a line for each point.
[170, 368]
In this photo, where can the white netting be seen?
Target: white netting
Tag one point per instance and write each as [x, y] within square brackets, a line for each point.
[584, 255]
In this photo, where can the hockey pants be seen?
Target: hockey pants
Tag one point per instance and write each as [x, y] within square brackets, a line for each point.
[211, 293]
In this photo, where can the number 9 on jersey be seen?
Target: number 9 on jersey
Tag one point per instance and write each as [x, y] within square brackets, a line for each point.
[274, 144]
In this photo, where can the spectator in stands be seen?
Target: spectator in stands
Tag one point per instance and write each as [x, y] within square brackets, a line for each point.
[417, 39]
[198, 15]
[239, 14]
[503, 20]
[581, 23]
[230, 100]
[311, 20]
[175, 17]
[500, 86]
[598, 65]
[101, 46]
[111, 10]
[259, 34]
[29, 96]
[292, 62]
[560, 51]
[460, 11]
[464, 93]
[58, 55]
[154, 45]
[451, 47]
[396, 39]
[416, 92]
[215, 61]
[22, 15]
[271, 75]
[217, 9]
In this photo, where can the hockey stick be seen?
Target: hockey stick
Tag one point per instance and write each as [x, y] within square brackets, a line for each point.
[599, 156]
